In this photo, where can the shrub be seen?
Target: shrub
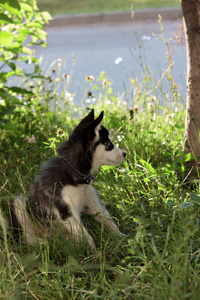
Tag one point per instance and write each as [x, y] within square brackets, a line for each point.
[22, 28]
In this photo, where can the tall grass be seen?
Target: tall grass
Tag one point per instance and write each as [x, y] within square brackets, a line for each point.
[147, 196]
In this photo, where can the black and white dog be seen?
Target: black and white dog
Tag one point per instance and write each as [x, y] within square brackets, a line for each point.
[63, 188]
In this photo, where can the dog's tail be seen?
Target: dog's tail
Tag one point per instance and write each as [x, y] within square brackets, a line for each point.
[21, 222]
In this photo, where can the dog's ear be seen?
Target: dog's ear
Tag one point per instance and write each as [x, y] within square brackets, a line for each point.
[93, 128]
[89, 118]
[98, 120]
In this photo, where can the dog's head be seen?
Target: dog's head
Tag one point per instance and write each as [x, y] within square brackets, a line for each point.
[90, 146]
[99, 141]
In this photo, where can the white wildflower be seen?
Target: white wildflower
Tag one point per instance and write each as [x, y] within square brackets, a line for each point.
[150, 104]
[30, 140]
[146, 38]
[68, 79]
[119, 138]
[168, 117]
[118, 60]
[68, 94]
[89, 78]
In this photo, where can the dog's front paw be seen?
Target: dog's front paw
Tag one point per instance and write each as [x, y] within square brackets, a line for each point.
[122, 234]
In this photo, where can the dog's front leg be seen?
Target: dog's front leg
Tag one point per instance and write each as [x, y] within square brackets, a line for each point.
[72, 197]
[77, 231]
[95, 207]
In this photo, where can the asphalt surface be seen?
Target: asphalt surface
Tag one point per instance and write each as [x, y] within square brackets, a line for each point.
[97, 44]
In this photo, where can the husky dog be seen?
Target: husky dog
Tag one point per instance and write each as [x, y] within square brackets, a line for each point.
[63, 188]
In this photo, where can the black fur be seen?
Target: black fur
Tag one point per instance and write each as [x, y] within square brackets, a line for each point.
[45, 193]
[13, 222]
[104, 139]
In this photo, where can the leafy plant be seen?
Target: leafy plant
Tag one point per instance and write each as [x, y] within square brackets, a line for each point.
[22, 28]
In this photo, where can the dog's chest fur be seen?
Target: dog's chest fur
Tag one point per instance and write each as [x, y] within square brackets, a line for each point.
[76, 197]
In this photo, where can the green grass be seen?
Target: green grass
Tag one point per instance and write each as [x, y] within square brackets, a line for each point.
[147, 195]
[159, 258]
[90, 6]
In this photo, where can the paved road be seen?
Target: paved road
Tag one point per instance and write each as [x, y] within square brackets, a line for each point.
[96, 47]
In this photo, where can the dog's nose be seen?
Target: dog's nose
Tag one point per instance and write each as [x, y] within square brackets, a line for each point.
[124, 154]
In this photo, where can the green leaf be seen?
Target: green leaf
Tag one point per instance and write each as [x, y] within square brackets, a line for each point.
[26, 7]
[4, 19]
[8, 111]
[39, 76]
[19, 90]
[37, 69]
[4, 121]
[16, 48]
[3, 76]
[11, 5]
[9, 99]
[180, 127]
[21, 38]
[148, 166]
[6, 38]
[11, 65]
[26, 50]
[46, 16]
[195, 198]
[41, 34]
[35, 24]
[189, 157]
[24, 31]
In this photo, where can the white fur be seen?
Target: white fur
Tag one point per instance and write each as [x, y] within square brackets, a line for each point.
[97, 133]
[29, 228]
[109, 158]
[78, 197]
[110, 137]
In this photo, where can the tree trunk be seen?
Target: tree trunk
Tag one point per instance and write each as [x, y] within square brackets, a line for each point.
[191, 19]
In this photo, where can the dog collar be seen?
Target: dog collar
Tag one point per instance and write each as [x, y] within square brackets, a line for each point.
[81, 178]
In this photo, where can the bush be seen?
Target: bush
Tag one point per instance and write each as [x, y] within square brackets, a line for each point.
[22, 28]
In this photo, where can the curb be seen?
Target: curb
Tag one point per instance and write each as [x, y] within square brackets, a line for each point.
[170, 13]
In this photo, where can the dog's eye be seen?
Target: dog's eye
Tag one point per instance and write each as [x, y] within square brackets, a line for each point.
[109, 145]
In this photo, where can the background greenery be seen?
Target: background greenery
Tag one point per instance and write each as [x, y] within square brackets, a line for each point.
[89, 6]
[148, 196]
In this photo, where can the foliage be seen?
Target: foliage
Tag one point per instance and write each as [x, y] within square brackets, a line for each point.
[22, 28]
[147, 195]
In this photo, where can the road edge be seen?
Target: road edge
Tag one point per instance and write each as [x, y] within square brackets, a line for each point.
[167, 13]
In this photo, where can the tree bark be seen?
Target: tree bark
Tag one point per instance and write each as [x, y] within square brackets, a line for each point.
[191, 20]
